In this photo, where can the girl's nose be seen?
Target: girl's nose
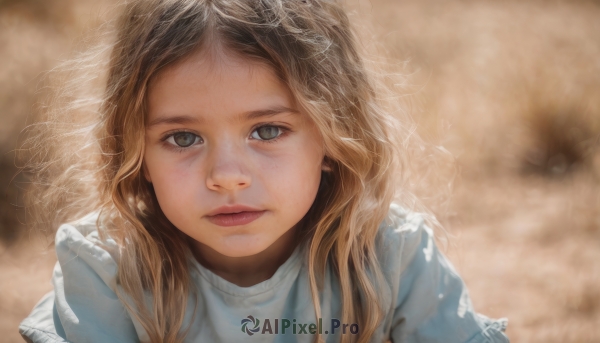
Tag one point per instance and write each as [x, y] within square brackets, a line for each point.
[228, 172]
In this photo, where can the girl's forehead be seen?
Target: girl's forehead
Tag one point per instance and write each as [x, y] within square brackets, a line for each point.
[221, 82]
[209, 63]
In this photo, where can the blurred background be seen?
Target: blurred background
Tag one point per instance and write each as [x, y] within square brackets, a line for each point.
[511, 88]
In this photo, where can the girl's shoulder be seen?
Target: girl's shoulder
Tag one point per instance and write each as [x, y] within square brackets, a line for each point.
[399, 237]
[79, 243]
[401, 221]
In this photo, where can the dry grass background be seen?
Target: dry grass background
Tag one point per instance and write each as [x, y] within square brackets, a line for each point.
[511, 88]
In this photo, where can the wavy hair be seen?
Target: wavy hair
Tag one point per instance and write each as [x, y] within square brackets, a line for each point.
[311, 46]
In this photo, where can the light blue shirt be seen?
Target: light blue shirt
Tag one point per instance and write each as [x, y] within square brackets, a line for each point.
[428, 301]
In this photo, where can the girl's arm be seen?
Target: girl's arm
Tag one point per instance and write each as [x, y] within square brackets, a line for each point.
[432, 302]
[40, 325]
[84, 306]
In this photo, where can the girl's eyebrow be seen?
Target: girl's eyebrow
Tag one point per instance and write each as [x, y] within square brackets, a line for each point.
[173, 120]
[185, 119]
[267, 112]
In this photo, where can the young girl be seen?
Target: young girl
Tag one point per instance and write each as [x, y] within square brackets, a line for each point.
[238, 178]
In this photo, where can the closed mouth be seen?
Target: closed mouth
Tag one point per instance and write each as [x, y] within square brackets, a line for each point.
[235, 218]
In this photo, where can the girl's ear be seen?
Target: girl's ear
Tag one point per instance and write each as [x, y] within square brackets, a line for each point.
[326, 165]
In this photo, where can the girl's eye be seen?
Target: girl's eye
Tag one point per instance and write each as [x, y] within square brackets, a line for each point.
[184, 139]
[266, 133]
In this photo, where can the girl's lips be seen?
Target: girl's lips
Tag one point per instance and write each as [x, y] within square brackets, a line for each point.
[235, 219]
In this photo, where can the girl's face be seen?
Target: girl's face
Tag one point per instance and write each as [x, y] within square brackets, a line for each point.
[233, 161]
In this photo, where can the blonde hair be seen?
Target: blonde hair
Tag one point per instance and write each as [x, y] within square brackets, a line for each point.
[311, 46]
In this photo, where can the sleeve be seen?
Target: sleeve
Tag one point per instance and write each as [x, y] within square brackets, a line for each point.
[84, 306]
[432, 303]
[42, 325]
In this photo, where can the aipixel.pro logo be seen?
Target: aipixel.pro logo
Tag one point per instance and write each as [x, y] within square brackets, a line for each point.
[252, 325]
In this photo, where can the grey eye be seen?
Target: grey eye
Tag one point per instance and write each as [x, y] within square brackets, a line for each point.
[184, 139]
[266, 133]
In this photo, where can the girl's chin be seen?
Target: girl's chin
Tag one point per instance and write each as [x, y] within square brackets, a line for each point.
[242, 246]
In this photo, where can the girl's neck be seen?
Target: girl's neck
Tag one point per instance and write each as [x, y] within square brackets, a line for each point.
[248, 270]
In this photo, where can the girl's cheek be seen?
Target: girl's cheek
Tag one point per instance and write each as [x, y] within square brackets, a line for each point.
[180, 163]
[168, 174]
